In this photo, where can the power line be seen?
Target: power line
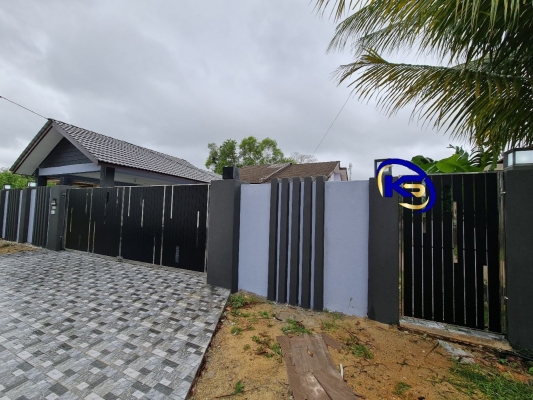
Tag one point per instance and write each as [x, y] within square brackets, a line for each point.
[27, 109]
[332, 124]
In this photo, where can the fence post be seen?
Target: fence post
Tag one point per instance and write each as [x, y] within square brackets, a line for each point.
[56, 217]
[24, 215]
[383, 257]
[223, 235]
[519, 256]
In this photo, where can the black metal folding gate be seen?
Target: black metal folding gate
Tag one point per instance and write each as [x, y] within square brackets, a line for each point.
[451, 269]
[164, 225]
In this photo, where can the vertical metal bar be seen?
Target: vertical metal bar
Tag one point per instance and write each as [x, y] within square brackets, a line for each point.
[273, 240]
[318, 303]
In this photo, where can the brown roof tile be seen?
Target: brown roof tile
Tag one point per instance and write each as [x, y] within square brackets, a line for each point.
[265, 173]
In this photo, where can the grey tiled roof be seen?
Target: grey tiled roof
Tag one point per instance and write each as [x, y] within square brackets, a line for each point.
[120, 153]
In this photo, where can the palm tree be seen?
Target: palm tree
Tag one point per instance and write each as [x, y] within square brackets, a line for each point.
[482, 92]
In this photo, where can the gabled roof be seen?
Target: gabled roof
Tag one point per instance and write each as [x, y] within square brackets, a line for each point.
[103, 149]
[265, 173]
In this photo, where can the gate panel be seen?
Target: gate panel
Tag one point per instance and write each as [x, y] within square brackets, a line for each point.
[142, 224]
[40, 224]
[2, 207]
[78, 219]
[12, 220]
[451, 255]
[185, 232]
[106, 221]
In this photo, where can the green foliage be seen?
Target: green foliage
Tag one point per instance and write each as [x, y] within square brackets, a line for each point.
[246, 347]
[531, 370]
[360, 350]
[294, 328]
[494, 385]
[236, 330]
[482, 91]
[458, 162]
[239, 388]
[239, 300]
[401, 388]
[249, 152]
[15, 180]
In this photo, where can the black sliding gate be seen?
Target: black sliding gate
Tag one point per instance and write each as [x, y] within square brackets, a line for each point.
[164, 225]
[451, 255]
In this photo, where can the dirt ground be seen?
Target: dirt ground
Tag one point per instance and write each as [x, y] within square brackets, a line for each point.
[12, 247]
[379, 361]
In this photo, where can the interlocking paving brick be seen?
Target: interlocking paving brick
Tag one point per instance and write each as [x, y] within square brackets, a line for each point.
[75, 325]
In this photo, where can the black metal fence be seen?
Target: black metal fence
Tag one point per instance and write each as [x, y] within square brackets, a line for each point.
[451, 254]
[164, 225]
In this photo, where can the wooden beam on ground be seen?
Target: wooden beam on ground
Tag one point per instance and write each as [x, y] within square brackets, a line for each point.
[312, 374]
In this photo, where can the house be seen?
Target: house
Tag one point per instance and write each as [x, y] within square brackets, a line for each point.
[75, 156]
[265, 173]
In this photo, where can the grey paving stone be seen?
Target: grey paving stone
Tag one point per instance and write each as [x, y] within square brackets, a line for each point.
[74, 325]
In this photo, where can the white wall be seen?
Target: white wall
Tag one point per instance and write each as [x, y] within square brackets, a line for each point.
[254, 236]
[346, 247]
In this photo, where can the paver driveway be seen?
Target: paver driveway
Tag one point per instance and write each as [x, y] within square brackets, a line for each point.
[73, 325]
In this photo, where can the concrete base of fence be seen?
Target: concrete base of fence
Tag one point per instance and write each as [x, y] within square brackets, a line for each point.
[383, 257]
[519, 257]
[223, 235]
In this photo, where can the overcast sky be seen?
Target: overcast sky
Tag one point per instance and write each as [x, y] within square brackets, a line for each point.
[176, 75]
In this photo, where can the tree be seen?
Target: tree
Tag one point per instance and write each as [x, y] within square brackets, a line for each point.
[303, 158]
[15, 180]
[249, 152]
[458, 162]
[483, 92]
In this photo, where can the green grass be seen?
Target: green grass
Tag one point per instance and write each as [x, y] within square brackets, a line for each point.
[360, 350]
[294, 328]
[246, 347]
[239, 387]
[264, 314]
[494, 385]
[401, 388]
[239, 300]
[236, 330]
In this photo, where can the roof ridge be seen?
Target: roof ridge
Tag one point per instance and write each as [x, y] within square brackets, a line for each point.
[283, 166]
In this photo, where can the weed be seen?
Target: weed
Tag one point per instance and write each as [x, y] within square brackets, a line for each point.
[502, 361]
[249, 327]
[239, 387]
[239, 300]
[264, 314]
[360, 350]
[238, 313]
[329, 325]
[236, 330]
[531, 370]
[401, 388]
[246, 347]
[294, 328]
[492, 384]
[337, 316]
[276, 348]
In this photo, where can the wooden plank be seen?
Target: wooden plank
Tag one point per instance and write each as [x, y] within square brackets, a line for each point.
[307, 359]
[334, 386]
[331, 342]
[273, 241]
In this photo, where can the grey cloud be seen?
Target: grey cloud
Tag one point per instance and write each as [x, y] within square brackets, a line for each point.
[175, 76]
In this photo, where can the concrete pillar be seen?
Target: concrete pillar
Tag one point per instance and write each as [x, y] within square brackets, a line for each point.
[223, 238]
[383, 257]
[519, 256]
[56, 218]
[24, 215]
[107, 176]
